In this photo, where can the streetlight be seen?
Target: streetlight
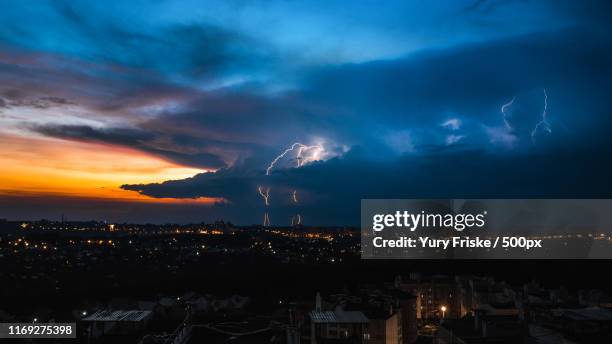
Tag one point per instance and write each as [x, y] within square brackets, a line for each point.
[443, 309]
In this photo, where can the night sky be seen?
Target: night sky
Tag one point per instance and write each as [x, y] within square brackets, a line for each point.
[172, 111]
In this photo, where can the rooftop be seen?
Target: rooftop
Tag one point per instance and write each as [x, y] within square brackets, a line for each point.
[593, 313]
[115, 316]
[352, 317]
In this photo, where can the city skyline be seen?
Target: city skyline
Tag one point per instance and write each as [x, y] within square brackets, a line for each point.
[183, 112]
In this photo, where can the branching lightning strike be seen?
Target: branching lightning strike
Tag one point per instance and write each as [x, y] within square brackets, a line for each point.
[543, 122]
[264, 194]
[300, 159]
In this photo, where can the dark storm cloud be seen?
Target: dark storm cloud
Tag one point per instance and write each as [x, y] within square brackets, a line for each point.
[243, 115]
[347, 103]
[330, 191]
[136, 139]
[227, 183]
[357, 104]
[474, 81]
[29, 78]
[418, 93]
[155, 79]
[119, 136]
[109, 66]
[41, 102]
[206, 93]
[189, 50]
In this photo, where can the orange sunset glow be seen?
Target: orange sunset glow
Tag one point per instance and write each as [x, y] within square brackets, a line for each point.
[39, 166]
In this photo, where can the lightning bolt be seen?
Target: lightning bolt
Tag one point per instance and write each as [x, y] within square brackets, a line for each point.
[264, 194]
[296, 220]
[266, 197]
[280, 156]
[503, 111]
[543, 122]
[294, 196]
[300, 159]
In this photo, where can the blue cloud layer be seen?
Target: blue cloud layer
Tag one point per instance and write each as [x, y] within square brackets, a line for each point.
[407, 97]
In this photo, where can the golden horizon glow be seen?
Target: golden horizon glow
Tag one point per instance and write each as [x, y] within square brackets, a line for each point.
[40, 167]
